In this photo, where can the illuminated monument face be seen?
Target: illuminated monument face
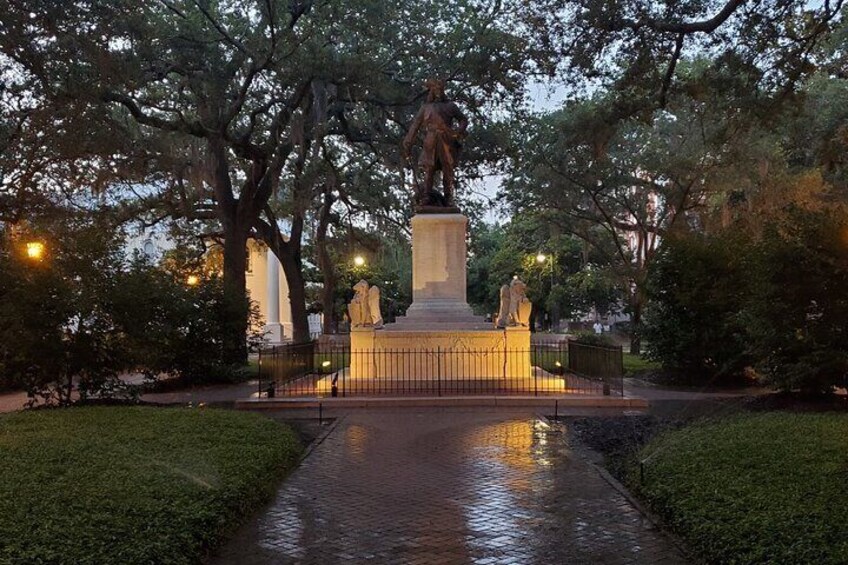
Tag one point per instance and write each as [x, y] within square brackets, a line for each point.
[440, 319]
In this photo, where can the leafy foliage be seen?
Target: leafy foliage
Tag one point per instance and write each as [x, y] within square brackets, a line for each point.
[696, 290]
[132, 485]
[776, 302]
[563, 284]
[388, 265]
[240, 118]
[175, 328]
[56, 319]
[80, 316]
[764, 488]
[797, 310]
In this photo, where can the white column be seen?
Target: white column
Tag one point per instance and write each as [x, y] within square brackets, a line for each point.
[273, 329]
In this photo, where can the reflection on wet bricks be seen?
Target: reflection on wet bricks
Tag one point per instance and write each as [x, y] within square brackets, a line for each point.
[447, 486]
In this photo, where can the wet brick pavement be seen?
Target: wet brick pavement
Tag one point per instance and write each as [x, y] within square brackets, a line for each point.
[447, 486]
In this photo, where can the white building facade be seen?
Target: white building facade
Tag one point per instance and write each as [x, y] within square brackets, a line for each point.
[265, 280]
[267, 286]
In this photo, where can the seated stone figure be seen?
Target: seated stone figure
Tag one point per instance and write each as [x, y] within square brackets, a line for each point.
[515, 306]
[519, 305]
[364, 309]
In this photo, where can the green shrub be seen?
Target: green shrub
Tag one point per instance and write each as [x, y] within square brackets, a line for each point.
[84, 314]
[132, 485]
[720, 303]
[56, 315]
[765, 488]
[591, 338]
[175, 328]
[695, 291]
[797, 314]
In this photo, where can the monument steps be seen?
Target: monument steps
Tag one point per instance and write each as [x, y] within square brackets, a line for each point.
[435, 321]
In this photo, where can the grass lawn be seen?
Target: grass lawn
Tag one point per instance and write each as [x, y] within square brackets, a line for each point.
[132, 484]
[762, 488]
[636, 364]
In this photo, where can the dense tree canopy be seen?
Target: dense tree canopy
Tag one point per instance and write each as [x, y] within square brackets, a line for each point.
[281, 121]
[227, 109]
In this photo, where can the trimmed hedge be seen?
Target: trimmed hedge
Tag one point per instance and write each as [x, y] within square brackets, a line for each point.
[132, 484]
[765, 488]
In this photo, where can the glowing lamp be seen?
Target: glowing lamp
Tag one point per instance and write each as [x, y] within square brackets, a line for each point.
[359, 260]
[540, 258]
[192, 280]
[35, 250]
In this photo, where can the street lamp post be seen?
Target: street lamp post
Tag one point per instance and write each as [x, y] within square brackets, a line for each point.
[541, 259]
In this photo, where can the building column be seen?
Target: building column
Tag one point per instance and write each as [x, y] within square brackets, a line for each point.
[273, 328]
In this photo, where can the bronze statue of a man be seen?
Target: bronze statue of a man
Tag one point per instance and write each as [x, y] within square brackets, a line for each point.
[440, 151]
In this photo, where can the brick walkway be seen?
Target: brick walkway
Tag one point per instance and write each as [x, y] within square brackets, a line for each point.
[447, 486]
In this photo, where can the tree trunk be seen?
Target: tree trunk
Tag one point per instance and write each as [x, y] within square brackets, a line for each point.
[636, 305]
[288, 252]
[70, 390]
[297, 294]
[325, 264]
[235, 305]
[236, 228]
[328, 292]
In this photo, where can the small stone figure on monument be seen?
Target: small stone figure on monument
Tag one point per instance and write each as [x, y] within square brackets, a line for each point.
[519, 304]
[515, 306]
[358, 309]
[503, 312]
[441, 146]
[364, 309]
[374, 307]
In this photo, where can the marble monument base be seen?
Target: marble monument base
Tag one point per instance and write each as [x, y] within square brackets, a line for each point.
[274, 333]
[440, 337]
[440, 354]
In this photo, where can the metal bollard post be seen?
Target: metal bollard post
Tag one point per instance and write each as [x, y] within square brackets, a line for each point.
[535, 383]
[439, 368]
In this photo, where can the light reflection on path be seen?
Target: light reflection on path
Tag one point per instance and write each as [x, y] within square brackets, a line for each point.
[446, 486]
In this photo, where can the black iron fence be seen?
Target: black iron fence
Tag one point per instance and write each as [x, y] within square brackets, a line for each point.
[283, 364]
[313, 370]
[602, 362]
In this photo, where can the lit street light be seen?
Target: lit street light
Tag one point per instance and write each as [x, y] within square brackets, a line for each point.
[541, 259]
[192, 280]
[359, 261]
[35, 250]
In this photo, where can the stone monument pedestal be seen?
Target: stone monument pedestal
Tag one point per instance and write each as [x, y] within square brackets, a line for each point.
[274, 333]
[439, 337]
